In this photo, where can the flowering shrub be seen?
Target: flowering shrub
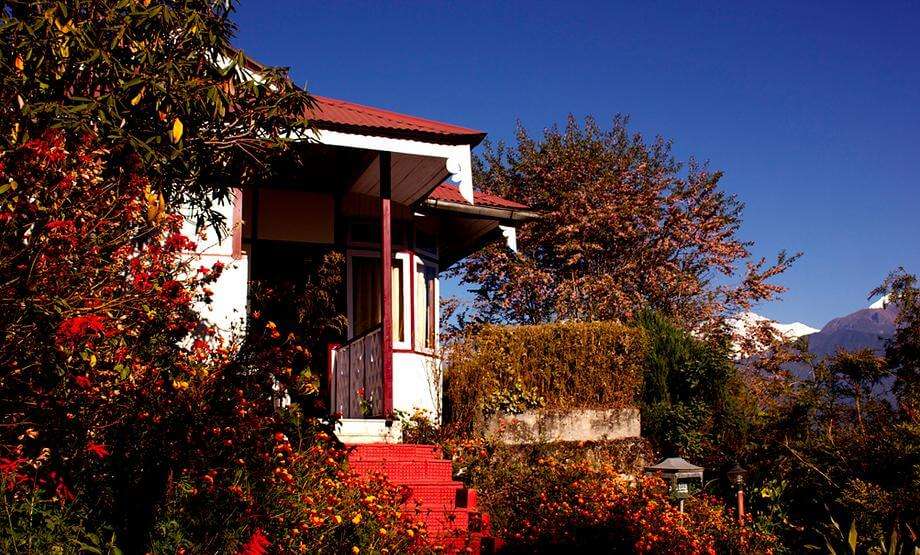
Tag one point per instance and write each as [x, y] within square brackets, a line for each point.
[544, 498]
[114, 390]
[306, 502]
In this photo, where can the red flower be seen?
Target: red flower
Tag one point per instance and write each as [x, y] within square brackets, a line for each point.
[8, 466]
[256, 545]
[98, 449]
[73, 330]
[64, 492]
[83, 382]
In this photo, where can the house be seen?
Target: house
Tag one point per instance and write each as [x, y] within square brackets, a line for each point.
[394, 193]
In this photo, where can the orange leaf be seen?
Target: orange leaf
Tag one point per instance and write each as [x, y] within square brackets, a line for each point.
[137, 99]
[177, 130]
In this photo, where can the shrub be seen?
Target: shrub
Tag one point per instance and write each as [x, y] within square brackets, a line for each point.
[549, 498]
[308, 502]
[694, 402]
[116, 391]
[511, 369]
[42, 518]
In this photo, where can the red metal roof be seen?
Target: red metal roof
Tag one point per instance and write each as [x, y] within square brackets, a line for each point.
[450, 193]
[340, 115]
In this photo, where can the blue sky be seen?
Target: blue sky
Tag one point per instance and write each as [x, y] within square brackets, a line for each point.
[812, 110]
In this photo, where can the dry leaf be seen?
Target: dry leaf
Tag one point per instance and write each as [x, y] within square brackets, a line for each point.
[137, 99]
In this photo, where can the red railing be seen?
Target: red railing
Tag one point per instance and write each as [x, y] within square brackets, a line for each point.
[356, 376]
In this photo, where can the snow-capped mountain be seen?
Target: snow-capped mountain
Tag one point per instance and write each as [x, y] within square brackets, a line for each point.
[881, 303]
[870, 327]
[744, 323]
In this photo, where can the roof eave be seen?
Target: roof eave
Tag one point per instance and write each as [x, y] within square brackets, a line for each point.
[414, 135]
[516, 215]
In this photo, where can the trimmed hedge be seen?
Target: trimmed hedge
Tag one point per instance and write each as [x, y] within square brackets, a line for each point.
[562, 366]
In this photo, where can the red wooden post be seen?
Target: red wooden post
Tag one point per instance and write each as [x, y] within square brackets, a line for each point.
[741, 505]
[386, 258]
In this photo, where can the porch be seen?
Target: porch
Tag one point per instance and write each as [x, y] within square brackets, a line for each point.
[371, 186]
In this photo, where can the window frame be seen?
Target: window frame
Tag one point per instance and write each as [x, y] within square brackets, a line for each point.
[402, 258]
[418, 343]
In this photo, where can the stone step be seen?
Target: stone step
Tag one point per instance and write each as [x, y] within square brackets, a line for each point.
[445, 506]
[356, 431]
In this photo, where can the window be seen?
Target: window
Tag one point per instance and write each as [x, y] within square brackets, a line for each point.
[426, 305]
[366, 298]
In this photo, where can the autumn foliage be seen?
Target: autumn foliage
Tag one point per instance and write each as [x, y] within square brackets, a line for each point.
[624, 227]
[578, 498]
[113, 389]
[559, 366]
[126, 421]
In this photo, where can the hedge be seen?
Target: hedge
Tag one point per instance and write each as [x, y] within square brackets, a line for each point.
[569, 365]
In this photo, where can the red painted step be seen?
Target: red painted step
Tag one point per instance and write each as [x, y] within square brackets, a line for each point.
[447, 508]
[405, 471]
[444, 495]
[397, 451]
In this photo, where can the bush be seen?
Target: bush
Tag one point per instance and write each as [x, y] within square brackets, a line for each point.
[43, 518]
[694, 402]
[511, 369]
[581, 497]
[308, 502]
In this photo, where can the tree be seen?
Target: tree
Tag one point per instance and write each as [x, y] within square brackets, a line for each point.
[903, 350]
[827, 443]
[158, 82]
[694, 403]
[625, 226]
[121, 410]
[854, 376]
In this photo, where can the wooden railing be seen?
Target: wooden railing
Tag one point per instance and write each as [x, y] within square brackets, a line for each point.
[356, 377]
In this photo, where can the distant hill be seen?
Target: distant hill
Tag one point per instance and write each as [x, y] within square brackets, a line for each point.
[866, 328]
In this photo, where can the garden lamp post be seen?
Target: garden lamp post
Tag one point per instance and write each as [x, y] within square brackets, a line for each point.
[736, 477]
[680, 474]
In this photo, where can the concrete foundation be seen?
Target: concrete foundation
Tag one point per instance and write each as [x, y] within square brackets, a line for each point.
[573, 425]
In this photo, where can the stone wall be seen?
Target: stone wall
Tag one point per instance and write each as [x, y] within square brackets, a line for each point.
[572, 425]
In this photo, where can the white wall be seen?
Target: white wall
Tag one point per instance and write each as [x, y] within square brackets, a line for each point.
[417, 383]
[228, 307]
[227, 311]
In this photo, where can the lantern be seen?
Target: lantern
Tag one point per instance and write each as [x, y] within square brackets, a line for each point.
[736, 478]
[683, 477]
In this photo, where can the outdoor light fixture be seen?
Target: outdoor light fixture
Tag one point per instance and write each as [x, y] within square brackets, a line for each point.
[681, 475]
[736, 477]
